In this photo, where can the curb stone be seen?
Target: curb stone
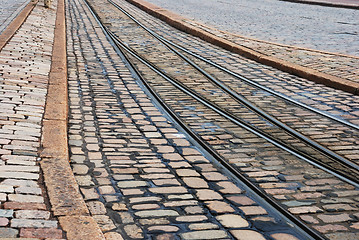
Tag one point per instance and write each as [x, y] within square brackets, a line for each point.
[66, 201]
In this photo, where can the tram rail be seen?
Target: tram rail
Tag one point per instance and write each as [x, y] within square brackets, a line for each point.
[332, 170]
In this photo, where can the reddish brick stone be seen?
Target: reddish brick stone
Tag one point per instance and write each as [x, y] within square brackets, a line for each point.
[219, 206]
[283, 236]
[330, 228]
[24, 206]
[334, 218]
[4, 222]
[41, 233]
[253, 210]
[241, 200]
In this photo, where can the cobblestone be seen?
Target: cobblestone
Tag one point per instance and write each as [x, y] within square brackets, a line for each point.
[25, 64]
[135, 147]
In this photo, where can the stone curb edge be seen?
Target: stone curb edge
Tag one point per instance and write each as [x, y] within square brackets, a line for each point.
[15, 24]
[326, 4]
[65, 198]
[179, 22]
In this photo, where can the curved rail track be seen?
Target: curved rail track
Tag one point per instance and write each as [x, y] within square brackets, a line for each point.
[235, 111]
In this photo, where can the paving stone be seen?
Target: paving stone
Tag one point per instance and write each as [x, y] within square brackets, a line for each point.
[32, 214]
[133, 231]
[232, 221]
[247, 234]
[132, 191]
[80, 169]
[89, 194]
[24, 206]
[182, 196]
[6, 213]
[154, 221]
[156, 213]
[163, 228]
[330, 228]
[166, 182]
[283, 236]
[96, 208]
[194, 210]
[28, 190]
[3, 222]
[6, 189]
[126, 217]
[166, 236]
[339, 207]
[309, 219]
[168, 190]
[33, 223]
[119, 207]
[207, 194]
[8, 232]
[228, 188]
[113, 236]
[206, 234]
[191, 218]
[48, 233]
[253, 210]
[301, 210]
[203, 226]
[131, 184]
[219, 206]
[241, 200]
[104, 222]
[195, 182]
[187, 173]
[214, 176]
[342, 235]
[145, 199]
[25, 198]
[334, 218]
[145, 206]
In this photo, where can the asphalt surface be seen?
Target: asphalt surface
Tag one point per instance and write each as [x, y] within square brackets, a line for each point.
[310, 26]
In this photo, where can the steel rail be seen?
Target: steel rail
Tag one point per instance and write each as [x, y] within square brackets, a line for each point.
[119, 49]
[162, 39]
[244, 101]
[351, 180]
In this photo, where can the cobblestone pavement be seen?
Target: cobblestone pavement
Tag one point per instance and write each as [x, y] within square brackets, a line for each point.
[8, 11]
[24, 67]
[140, 176]
[314, 201]
[309, 26]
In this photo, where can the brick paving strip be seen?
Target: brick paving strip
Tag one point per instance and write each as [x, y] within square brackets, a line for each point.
[65, 198]
[25, 79]
[11, 29]
[24, 66]
[316, 74]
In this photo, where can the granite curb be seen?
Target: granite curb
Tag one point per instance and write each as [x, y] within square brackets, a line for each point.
[65, 198]
[11, 29]
[180, 23]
